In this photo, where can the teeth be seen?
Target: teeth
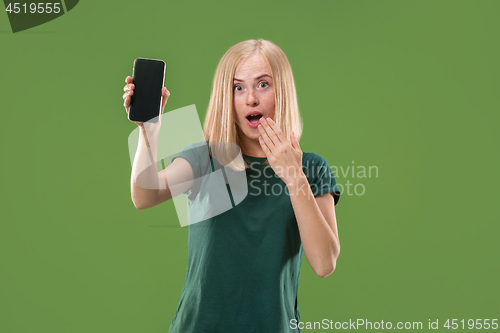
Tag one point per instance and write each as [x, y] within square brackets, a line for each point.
[254, 119]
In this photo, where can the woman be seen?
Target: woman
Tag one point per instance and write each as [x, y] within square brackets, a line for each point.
[243, 265]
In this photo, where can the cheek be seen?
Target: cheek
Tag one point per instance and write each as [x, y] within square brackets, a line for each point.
[270, 101]
[236, 102]
[241, 98]
[238, 105]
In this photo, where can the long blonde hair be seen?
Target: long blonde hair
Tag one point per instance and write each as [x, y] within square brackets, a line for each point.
[220, 126]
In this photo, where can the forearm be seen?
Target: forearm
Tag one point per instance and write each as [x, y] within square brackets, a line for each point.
[321, 245]
[145, 182]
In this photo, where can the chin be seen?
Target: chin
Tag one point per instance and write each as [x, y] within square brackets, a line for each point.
[249, 133]
[252, 136]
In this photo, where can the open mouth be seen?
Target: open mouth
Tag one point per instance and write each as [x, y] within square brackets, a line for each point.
[254, 118]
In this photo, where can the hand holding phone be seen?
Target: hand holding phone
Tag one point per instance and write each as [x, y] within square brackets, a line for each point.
[145, 97]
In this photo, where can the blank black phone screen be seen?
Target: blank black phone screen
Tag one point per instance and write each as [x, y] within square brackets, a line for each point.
[148, 79]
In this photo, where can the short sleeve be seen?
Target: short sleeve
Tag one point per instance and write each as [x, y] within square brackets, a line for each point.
[198, 157]
[320, 175]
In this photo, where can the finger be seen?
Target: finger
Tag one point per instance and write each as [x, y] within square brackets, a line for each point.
[129, 87]
[279, 133]
[128, 93]
[165, 94]
[128, 79]
[264, 147]
[264, 137]
[295, 143]
[126, 104]
[269, 131]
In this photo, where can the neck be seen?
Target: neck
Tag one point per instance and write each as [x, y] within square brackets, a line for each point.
[251, 147]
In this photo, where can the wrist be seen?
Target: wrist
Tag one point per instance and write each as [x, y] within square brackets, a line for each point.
[297, 182]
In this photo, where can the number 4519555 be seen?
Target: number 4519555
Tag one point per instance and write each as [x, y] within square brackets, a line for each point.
[32, 8]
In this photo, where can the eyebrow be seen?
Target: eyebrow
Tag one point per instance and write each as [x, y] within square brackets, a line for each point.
[257, 78]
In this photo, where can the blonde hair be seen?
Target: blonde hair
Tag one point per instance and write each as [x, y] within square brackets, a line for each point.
[220, 126]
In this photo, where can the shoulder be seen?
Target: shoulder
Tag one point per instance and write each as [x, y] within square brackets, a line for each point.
[313, 162]
[320, 175]
[197, 155]
[313, 159]
[315, 166]
[198, 146]
[193, 151]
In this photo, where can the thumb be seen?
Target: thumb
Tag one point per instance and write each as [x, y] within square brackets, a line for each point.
[165, 94]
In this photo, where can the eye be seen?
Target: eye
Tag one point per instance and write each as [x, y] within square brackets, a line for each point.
[238, 88]
[263, 83]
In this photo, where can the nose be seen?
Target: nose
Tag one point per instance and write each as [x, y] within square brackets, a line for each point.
[252, 98]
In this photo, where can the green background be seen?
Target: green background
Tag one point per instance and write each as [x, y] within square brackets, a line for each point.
[409, 87]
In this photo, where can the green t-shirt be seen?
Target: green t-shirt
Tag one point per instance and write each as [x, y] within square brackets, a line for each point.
[244, 264]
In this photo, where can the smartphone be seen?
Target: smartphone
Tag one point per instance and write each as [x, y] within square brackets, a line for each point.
[148, 76]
